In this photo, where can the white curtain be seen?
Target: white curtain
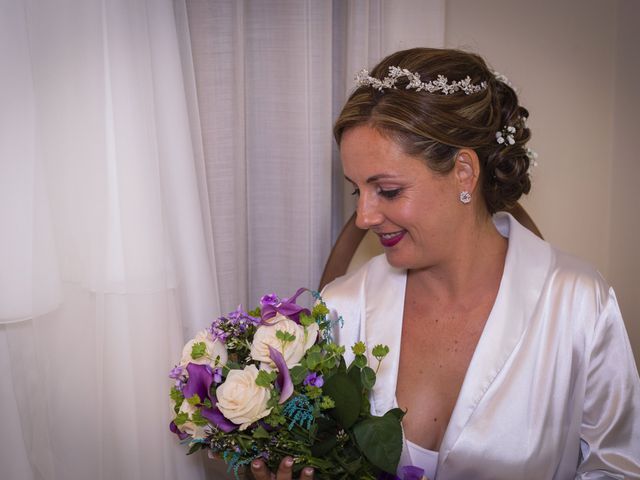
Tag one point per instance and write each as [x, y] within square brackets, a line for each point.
[104, 254]
[160, 162]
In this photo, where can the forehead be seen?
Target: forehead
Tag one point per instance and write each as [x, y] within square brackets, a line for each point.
[366, 152]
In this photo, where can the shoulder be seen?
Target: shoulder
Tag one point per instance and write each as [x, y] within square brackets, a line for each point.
[346, 297]
[348, 288]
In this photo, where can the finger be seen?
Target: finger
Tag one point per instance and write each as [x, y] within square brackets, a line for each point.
[307, 473]
[285, 469]
[259, 470]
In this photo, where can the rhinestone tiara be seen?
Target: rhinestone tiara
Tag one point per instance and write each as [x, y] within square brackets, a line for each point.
[440, 84]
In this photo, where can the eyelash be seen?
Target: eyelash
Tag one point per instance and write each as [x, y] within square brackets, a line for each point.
[388, 194]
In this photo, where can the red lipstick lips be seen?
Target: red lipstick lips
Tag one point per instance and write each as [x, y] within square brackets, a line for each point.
[391, 240]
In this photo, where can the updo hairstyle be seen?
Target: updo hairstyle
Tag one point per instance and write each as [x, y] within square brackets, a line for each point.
[435, 126]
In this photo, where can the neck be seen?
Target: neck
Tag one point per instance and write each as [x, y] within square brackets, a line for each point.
[475, 263]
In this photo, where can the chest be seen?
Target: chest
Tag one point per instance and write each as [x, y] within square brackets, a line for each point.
[438, 342]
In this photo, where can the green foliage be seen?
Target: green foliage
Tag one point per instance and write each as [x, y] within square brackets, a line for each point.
[360, 361]
[256, 312]
[359, 348]
[198, 419]
[194, 400]
[285, 336]
[327, 403]
[198, 350]
[319, 310]
[265, 379]
[380, 351]
[181, 418]
[177, 396]
[368, 378]
[306, 320]
[347, 397]
[298, 374]
[380, 439]
[261, 433]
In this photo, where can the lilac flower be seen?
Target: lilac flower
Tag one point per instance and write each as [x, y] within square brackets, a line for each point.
[217, 375]
[314, 380]
[176, 372]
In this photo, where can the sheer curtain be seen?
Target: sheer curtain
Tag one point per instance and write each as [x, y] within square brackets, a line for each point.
[105, 257]
[160, 162]
[271, 76]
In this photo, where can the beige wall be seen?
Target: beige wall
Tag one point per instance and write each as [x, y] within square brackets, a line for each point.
[575, 63]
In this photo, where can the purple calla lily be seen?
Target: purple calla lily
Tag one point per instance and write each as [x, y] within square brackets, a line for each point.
[199, 381]
[174, 428]
[286, 307]
[216, 417]
[284, 379]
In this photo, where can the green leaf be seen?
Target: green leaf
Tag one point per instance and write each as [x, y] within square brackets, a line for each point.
[360, 361]
[194, 400]
[177, 396]
[368, 378]
[181, 418]
[198, 419]
[255, 312]
[347, 397]
[198, 350]
[397, 413]
[194, 447]
[260, 432]
[306, 320]
[285, 336]
[380, 440]
[313, 359]
[323, 445]
[298, 374]
[265, 379]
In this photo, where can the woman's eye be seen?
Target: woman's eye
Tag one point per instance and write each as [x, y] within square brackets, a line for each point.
[389, 193]
[356, 191]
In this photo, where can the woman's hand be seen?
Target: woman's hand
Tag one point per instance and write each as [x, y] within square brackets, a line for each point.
[260, 472]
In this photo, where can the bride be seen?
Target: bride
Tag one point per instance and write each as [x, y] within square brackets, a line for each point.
[509, 356]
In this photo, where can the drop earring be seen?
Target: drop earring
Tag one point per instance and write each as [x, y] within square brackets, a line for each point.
[465, 197]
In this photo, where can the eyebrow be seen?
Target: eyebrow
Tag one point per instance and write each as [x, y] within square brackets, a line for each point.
[374, 178]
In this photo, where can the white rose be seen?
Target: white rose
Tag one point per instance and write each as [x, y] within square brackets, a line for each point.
[215, 353]
[292, 351]
[188, 427]
[240, 400]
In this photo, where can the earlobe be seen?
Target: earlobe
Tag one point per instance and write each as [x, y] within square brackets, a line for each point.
[467, 170]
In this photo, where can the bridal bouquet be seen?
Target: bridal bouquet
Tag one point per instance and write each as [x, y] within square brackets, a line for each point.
[271, 382]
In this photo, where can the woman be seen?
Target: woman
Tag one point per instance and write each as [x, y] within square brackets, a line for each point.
[510, 357]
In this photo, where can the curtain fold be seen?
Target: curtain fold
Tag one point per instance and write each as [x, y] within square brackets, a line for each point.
[108, 267]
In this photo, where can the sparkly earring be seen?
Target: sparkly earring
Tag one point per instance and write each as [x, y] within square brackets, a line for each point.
[465, 197]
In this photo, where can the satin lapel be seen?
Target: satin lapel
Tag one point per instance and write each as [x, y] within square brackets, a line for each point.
[526, 266]
[384, 306]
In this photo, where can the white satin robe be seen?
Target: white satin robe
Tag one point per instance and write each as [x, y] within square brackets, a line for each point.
[552, 390]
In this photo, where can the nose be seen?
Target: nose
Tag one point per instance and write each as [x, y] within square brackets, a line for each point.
[367, 212]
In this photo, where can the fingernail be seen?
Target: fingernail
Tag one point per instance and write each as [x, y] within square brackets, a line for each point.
[308, 472]
[288, 462]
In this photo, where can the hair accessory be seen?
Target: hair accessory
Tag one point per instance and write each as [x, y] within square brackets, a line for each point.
[533, 158]
[505, 136]
[440, 84]
[465, 197]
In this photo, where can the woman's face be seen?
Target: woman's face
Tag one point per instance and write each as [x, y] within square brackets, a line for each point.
[413, 210]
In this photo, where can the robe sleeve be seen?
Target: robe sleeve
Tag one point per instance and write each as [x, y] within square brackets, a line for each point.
[610, 430]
